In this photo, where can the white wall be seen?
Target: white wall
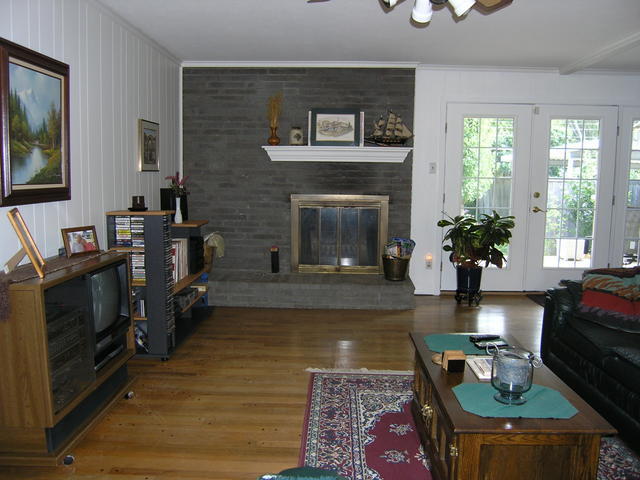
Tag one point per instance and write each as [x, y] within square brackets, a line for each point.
[435, 87]
[116, 76]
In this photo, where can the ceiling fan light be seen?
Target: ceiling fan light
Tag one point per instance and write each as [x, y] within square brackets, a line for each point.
[422, 11]
[461, 7]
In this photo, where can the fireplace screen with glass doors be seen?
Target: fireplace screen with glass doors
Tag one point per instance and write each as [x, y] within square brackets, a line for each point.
[338, 233]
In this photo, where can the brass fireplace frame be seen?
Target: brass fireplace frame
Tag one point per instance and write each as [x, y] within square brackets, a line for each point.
[298, 201]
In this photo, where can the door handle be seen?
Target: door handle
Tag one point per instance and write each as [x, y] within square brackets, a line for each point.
[537, 209]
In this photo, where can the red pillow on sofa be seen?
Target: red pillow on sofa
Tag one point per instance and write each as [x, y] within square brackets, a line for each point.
[611, 297]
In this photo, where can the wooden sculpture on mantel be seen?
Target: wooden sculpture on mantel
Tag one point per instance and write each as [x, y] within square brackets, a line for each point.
[274, 107]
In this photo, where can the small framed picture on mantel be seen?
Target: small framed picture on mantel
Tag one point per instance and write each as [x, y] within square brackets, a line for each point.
[335, 127]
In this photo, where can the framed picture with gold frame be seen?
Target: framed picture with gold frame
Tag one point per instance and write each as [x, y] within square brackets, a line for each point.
[28, 244]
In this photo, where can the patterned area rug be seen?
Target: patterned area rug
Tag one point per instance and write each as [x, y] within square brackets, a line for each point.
[360, 425]
[617, 461]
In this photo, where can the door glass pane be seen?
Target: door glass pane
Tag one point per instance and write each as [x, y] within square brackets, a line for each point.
[487, 160]
[632, 220]
[574, 151]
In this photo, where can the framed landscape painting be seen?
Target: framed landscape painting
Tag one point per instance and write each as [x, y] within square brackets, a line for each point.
[34, 126]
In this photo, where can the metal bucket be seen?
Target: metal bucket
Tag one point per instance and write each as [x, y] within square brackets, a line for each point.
[395, 269]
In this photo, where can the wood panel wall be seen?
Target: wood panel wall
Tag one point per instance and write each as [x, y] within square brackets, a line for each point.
[117, 75]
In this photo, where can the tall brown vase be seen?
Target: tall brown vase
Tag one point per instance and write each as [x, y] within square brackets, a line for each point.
[274, 139]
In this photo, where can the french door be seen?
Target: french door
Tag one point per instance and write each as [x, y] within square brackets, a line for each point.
[549, 166]
[574, 150]
[626, 235]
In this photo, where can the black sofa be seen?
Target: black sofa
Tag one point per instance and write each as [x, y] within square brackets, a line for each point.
[601, 364]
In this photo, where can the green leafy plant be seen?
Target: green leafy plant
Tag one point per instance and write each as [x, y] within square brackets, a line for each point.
[472, 241]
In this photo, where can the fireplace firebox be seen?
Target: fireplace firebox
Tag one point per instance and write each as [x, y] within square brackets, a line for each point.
[338, 233]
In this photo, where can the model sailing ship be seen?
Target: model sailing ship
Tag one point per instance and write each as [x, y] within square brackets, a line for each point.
[389, 131]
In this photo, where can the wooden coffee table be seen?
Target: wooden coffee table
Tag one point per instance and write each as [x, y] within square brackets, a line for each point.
[462, 445]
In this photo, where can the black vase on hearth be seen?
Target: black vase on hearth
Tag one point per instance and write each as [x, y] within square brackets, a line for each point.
[168, 202]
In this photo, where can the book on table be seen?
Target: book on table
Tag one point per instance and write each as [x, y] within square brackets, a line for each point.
[481, 366]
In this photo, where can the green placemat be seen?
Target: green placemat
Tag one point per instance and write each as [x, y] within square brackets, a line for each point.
[440, 342]
[542, 402]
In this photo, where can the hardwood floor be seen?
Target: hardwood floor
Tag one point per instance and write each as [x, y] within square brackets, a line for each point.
[230, 403]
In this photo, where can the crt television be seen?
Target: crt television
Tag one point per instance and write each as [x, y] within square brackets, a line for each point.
[109, 310]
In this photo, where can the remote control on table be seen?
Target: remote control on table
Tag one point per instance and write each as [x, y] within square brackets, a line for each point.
[484, 343]
[481, 338]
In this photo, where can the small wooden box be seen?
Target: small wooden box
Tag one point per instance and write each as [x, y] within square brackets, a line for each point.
[453, 360]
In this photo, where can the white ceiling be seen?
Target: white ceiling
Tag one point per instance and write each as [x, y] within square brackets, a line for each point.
[568, 35]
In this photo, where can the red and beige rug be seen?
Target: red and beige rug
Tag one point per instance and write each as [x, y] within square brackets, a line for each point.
[360, 425]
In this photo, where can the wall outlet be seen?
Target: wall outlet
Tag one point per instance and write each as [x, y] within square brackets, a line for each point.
[433, 167]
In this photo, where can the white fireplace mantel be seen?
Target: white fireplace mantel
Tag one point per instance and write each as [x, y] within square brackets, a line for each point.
[288, 153]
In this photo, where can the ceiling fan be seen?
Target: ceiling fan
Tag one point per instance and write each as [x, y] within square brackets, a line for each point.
[422, 10]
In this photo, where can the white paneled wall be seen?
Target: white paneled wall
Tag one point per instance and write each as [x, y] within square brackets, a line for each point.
[117, 76]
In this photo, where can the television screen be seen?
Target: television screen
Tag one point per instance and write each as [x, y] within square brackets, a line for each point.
[109, 309]
[105, 299]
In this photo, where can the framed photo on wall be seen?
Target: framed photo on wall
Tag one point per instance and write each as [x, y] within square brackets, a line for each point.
[148, 146]
[34, 126]
[80, 240]
[334, 126]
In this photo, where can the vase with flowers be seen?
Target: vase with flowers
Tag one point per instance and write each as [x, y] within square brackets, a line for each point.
[175, 197]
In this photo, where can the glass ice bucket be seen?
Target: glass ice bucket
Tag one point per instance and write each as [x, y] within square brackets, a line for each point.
[512, 373]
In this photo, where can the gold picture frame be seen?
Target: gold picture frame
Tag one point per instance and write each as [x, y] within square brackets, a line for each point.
[80, 240]
[28, 244]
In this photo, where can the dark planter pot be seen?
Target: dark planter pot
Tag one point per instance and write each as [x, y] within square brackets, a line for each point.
[168, 202]
[468, 284]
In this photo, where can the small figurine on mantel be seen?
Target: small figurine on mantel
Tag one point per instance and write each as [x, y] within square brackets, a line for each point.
[389, 131]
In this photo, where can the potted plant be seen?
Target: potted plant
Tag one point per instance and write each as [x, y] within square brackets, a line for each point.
[471, 242]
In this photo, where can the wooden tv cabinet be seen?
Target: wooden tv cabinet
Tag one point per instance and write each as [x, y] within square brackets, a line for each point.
[37, 427]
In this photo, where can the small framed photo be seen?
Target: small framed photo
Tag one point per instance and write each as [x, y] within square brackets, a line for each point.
[334, 126]
[80, 240]
[148, 146]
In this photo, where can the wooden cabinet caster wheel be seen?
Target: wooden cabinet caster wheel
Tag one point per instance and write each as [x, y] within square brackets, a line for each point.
[129, 395]
[68, 459]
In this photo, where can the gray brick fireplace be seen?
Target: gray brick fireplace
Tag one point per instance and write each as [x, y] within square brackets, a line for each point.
[246, 197]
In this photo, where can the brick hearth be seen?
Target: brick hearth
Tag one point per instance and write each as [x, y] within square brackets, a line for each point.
[308, 290]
